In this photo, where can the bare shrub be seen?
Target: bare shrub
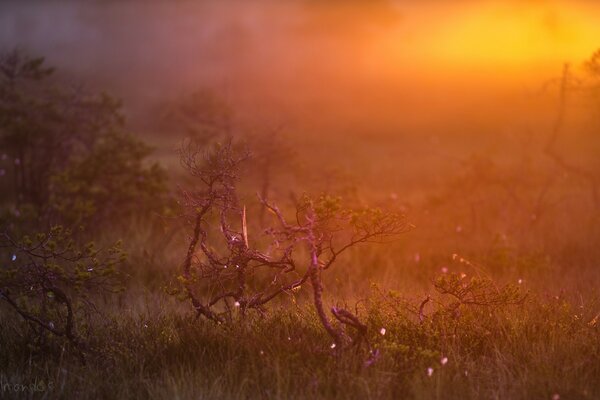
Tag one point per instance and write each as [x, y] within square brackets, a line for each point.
[224, 272]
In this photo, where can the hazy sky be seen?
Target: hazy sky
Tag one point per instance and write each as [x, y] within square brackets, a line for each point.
[341, 57]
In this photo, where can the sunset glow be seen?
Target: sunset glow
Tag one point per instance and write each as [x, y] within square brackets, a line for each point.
[300, 199]
[517, 34]
[471, 36]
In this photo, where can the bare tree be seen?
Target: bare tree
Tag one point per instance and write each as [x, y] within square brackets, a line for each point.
[223, 271]
[567, 83]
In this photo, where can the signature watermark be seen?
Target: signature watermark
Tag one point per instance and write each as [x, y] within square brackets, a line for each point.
[24, 387]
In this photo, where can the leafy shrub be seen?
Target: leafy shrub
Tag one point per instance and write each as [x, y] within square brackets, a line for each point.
[42, 124]
[50, 279]
[110, 184]
[69, 156]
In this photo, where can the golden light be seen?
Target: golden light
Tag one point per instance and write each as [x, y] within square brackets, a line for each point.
[518, 34]
[483, 35]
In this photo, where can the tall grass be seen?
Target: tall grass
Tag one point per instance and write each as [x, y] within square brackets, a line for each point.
[156, 350]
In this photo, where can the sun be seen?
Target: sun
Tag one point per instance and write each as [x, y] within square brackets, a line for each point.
[517, 34]
[492, 35]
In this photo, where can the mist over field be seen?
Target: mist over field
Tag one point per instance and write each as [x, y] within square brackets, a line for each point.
[393, 60]
[300, 199]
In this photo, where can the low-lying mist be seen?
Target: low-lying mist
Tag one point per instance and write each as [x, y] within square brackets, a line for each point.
[377, 68]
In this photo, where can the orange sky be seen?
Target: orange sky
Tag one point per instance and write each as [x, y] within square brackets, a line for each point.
[344, 60]
[514, 35]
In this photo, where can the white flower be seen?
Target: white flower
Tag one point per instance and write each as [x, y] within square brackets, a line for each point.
[145, 325]
[237, 304]
[51, 325]
[429, 371]
[382, 331]
[90, 269]
[520, 281]
[14, 257]
[225, 266]
[444, 360]
[332, 345]
[262, 352]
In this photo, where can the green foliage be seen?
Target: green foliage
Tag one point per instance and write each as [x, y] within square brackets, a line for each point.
[42, 125]
[477, 290]
[109, 184]
[368, 222]
[69, 156]
[50, 279]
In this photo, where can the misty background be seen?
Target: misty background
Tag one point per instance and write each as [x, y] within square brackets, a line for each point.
[382, 83]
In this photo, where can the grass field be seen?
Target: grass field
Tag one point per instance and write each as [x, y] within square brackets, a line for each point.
[309, 201]
[546, 348]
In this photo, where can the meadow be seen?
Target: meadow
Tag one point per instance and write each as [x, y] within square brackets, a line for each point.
[198, 247]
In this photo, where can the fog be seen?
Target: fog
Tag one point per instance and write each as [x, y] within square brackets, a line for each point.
[441, 156]
[375, 68]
